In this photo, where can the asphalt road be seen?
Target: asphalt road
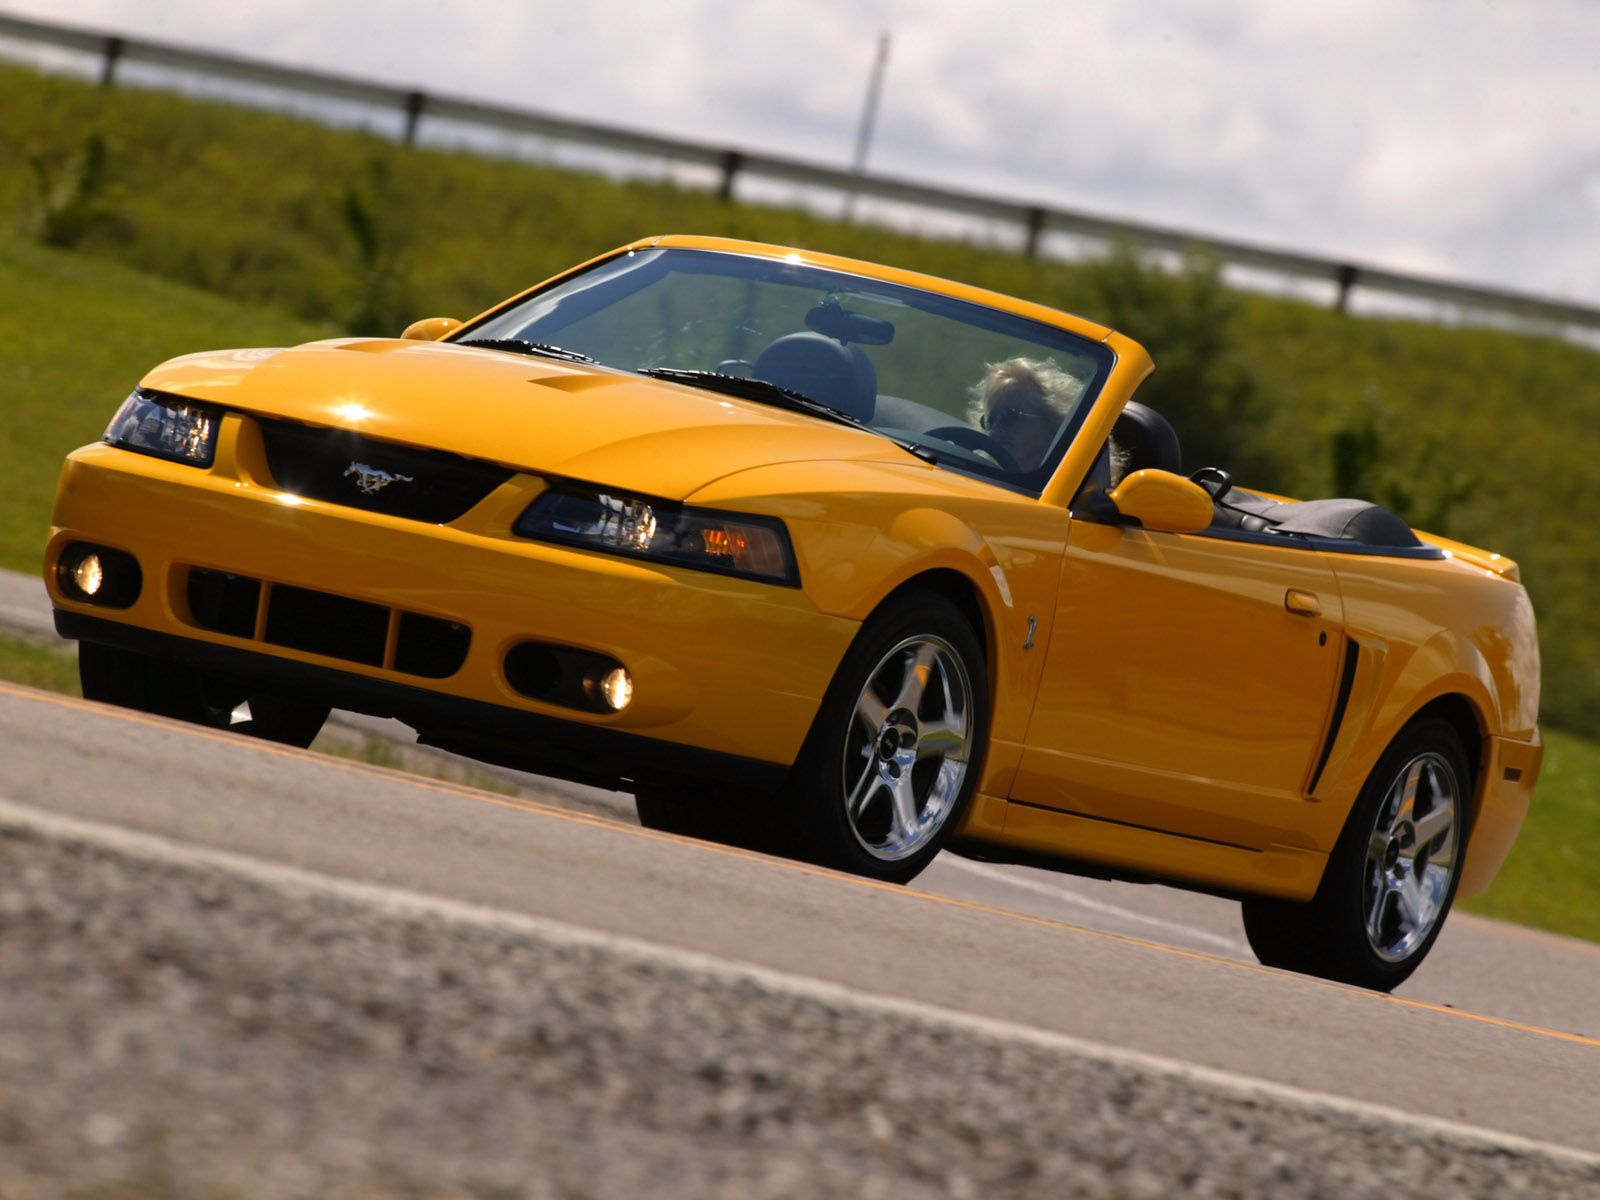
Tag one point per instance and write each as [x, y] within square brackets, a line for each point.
[1499, 1031]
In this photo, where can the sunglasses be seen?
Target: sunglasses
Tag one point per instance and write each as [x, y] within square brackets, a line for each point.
[1003, 419]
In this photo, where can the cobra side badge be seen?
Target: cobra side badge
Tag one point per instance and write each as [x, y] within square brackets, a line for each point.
[371, 481]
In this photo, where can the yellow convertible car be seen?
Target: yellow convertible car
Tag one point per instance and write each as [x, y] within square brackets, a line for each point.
[829, 557]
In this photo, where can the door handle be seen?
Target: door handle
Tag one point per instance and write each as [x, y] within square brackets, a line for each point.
[1302, 604]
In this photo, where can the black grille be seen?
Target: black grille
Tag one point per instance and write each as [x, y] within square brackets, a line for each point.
[323, 623]
[342, 467]
[224, 602]
[430, 647]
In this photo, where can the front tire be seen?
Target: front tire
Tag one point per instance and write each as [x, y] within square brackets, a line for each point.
[892, 759]
[185, 693]
[697, 810]
[1391, 878]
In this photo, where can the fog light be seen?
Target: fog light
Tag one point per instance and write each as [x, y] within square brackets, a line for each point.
[98, 575]
[617, 688]
[88, 574]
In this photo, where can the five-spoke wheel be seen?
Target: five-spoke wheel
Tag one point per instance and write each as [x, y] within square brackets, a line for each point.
[1411, 857]
[893, 756]
[1392, 876]
[908, 749]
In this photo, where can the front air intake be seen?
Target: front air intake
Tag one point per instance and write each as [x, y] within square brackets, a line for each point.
[327, 624]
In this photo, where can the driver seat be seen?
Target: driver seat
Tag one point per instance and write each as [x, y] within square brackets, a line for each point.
[1145, 436]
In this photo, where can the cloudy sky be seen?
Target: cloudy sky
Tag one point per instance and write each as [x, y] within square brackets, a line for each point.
[1458, 138]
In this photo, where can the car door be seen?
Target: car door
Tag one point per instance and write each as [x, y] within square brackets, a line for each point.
[1187, 683]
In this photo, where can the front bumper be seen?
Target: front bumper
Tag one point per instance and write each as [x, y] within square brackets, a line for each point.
[727, 666]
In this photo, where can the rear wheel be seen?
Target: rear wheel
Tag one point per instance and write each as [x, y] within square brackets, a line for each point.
[891, 762]
[1392, 876]
[186, 693]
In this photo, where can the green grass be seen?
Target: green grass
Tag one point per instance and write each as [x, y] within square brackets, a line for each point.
[53, 668]
[1552, 879]
[76, 335]
[379, 752]
[216, 226]
[1486, 436]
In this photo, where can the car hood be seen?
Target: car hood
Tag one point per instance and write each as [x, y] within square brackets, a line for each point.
[532, 414]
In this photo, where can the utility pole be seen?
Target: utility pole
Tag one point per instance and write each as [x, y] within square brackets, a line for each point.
[869, 113]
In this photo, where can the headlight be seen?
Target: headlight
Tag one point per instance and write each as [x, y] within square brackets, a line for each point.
[167, 427]
[730, 543]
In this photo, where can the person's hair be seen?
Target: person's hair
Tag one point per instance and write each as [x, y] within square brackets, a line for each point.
[1058, 390]
[1120, 460]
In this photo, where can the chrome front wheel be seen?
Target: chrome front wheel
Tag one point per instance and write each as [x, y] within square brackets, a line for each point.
[907, 750]
[893, 756]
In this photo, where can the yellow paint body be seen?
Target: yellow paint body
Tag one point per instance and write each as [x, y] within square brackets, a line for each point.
[1167, 720]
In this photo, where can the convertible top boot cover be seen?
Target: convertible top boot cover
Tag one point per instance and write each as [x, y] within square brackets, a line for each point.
[1347, 520]
[1342, 520]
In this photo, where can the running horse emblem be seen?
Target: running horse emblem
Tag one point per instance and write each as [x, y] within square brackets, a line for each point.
[371, 481]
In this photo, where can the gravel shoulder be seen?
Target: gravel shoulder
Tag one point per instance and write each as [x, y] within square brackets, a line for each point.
[185, 1023]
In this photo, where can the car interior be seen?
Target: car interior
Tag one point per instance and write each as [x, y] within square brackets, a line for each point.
[827, 360]
[1149, 441]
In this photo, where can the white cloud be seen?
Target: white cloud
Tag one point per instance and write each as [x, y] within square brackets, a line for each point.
[1415, 133]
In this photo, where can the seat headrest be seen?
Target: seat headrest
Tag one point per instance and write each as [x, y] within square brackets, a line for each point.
[840, 376]
[1148, 440]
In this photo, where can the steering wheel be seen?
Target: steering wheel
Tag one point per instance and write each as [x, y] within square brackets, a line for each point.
[1217, 482]
[976, 439]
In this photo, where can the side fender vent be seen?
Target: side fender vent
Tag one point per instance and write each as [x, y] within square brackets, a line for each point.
[1347, 678]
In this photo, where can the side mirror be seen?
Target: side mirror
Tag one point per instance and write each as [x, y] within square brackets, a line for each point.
[430, 329]
[1163, 501]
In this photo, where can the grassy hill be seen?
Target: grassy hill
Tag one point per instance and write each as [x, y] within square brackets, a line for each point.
[85, 333]
[1487, 436]
[1505, 412]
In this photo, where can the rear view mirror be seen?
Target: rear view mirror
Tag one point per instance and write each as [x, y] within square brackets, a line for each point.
[832, 319]
[1163, 501]
[430, 329]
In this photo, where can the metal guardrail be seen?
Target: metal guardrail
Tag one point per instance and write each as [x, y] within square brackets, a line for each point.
[1034, 222]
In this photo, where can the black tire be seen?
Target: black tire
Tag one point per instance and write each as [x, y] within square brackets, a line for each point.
[699, 810]
[928, 732]
[1371, 922]
[185, 693]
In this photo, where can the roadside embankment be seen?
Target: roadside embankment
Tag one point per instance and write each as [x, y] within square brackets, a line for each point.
[182, 1022]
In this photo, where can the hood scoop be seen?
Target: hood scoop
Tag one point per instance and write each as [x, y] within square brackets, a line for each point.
[573, 384]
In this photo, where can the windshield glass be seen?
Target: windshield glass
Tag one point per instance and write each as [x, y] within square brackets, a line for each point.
[983, 391]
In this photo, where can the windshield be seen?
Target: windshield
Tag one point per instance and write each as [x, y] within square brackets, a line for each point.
[974, 388]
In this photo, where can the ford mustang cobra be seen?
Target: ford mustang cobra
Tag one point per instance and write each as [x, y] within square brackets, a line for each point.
[849, 561]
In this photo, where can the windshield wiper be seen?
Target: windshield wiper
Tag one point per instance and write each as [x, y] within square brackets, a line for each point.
[746, 388]
[520, 346]
[765, 392]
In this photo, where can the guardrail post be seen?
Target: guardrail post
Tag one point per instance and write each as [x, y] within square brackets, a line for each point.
[415, 103]
[732, 161]
[112, 50]
[1035, 230]
[1347, 280]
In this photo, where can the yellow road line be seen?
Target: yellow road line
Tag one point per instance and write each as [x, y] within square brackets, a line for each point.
[539, 808]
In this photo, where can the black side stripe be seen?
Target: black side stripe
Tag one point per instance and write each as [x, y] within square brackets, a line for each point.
[1352, 657]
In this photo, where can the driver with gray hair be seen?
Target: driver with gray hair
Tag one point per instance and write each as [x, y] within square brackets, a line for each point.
[1022, 403]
